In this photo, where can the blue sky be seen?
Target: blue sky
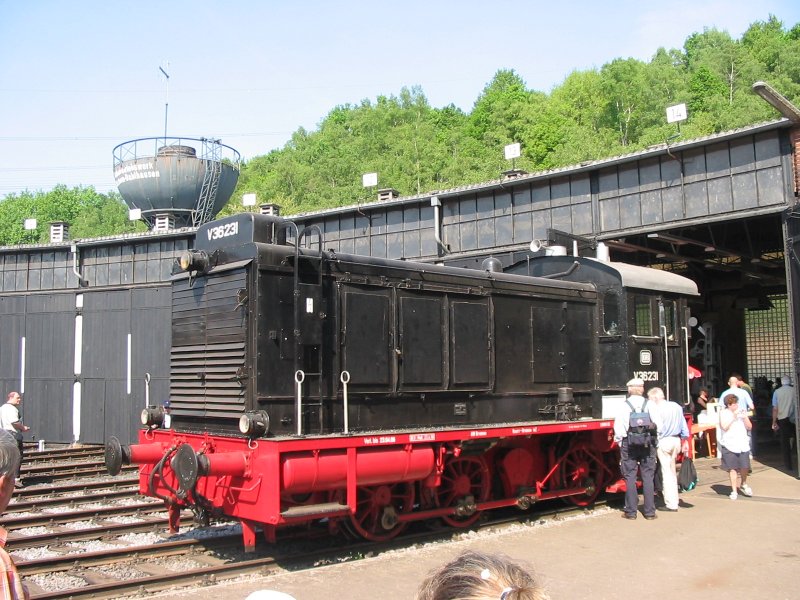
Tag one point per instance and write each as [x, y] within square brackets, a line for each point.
[78, 78]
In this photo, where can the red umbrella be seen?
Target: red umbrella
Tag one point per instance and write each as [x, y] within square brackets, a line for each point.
[694, 373]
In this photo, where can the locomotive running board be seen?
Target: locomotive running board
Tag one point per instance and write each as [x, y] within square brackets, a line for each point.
[323, 510]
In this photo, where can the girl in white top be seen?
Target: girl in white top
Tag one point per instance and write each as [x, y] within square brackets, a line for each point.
[735, 443]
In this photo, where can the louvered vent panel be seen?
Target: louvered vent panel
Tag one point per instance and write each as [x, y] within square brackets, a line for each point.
[208, 348]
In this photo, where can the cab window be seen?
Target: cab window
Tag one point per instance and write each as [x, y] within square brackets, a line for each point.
[611, 313]
[669, 318]
[643, 316]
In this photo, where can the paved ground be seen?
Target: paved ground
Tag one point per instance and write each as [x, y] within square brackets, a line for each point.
[712, 548]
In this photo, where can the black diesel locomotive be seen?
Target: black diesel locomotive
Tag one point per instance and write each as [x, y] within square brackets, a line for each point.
[309, 386]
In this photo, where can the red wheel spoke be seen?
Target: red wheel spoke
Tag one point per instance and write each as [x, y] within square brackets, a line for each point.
[463, 477]
[581, 468]
[373, 502]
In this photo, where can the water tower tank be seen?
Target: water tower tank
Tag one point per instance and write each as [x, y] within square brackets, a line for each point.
[189, 179]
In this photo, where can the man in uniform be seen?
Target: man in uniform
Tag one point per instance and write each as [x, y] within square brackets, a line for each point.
[634, 460]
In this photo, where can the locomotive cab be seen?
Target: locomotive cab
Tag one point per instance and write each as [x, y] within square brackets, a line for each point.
[643, 318]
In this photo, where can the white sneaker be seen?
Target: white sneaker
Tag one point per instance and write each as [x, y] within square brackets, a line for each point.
[745, 490]
[733, 495]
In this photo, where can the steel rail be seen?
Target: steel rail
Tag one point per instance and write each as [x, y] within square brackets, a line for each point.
[41, 502]
[55, 519]
[85, 486]
[61, 454]
[68, 562]
[101, 532]
[50, 473]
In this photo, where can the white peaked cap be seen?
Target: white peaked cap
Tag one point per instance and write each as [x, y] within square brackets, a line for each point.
[269, 595]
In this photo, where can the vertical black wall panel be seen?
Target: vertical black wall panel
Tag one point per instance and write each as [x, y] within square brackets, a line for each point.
[49, 366]
[150, 323]
[12, 328]
[107, 408]
[106, 324]
[93, 421]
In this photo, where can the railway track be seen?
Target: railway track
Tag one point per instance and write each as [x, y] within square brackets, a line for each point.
[142, 506]
[201, 562]
[72, 489]
[91, 538]
[115, 572]
[40, 467]
[33, 456]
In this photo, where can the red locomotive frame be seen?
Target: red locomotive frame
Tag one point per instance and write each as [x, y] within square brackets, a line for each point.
[374, 485]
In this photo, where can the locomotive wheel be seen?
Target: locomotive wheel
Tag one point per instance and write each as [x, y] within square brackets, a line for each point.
[465, 481]
[377, 508]
[580, 468]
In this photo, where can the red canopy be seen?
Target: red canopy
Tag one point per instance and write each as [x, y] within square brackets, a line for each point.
[694, 373]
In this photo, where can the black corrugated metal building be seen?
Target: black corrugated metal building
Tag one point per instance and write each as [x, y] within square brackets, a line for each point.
[715, 209]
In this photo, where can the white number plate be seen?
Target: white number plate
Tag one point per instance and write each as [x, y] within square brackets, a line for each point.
[646, 375]
[216, 233]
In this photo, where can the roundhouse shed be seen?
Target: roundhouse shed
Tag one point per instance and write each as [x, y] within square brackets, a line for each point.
[84, 325]
[85, 331]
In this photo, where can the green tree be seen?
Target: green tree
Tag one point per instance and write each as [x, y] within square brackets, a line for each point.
[706, 88]
[88, 213]
[625, 86]
[416, 148]
[618, 108]
[764, 40]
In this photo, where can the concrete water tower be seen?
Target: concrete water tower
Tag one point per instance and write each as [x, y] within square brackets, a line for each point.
[185, 180]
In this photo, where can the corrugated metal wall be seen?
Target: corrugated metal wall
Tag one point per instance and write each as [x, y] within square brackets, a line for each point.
[49, 360]
[128, 298]
[12, 329]
[111, 377]
[114, 389]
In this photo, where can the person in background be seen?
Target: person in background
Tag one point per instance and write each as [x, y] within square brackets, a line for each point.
[784, 401]
[745, 401]
[673, 437]
[762, 391]
[633, 462]
[700, 403]
[10, 582]
[734, 423]
[480, 576]
[744, 385]
[11, 421]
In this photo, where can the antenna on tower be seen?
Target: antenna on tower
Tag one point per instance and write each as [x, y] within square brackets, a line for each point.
[166, 96]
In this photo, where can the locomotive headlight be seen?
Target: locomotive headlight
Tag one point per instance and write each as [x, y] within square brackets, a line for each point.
[254, 424]
[153, 416]
[193, 260]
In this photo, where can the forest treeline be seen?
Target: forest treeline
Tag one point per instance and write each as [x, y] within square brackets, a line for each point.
[416, 148]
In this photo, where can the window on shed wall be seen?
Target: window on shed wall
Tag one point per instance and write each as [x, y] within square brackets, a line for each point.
[769, 340]
[643, 316]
